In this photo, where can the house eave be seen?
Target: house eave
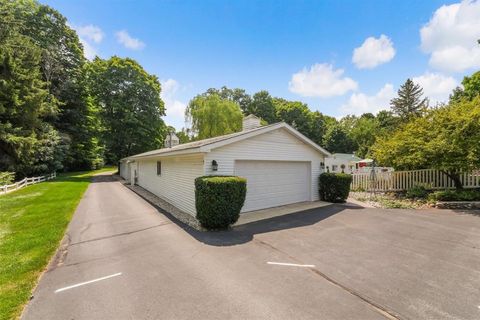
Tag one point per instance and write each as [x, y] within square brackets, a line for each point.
[165, 154]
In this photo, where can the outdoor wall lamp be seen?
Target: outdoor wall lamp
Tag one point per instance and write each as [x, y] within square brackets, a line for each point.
[214, 165]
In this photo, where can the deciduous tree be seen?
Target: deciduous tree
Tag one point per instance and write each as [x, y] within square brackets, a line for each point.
[446, 138]
[470, 90]
[262, 106]
[212, 116]
[337, 140]
[130, 107]
[236, 95]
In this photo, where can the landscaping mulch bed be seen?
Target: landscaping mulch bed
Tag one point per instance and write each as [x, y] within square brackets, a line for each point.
[389, 201]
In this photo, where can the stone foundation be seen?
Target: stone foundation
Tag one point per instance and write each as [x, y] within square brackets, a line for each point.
[464, 205]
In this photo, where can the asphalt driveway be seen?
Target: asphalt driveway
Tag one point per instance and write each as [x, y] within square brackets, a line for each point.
[124, 260]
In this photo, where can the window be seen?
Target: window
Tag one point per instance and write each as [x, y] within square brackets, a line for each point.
[159, 168]
[334, 167]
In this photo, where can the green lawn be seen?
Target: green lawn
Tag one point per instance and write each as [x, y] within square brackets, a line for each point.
[32, 223]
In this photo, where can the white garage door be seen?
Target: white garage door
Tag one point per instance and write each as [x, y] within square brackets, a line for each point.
[274, 183]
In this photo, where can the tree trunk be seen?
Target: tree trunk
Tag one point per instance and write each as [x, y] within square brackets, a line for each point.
[455, 176]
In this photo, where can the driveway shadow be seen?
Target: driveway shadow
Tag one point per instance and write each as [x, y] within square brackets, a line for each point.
[245, 233]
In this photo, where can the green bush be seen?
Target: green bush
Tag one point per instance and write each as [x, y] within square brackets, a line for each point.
[334, 187]
[6, 177]
[417, 192]
[219, 199]
[455, 195]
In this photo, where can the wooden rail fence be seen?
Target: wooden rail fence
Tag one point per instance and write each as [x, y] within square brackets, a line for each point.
[404, 180]
[25, 182]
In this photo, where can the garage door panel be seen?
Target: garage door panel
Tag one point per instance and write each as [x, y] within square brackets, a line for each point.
[274, 183]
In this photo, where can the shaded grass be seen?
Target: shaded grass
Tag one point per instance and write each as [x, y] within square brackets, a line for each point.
[32, 223]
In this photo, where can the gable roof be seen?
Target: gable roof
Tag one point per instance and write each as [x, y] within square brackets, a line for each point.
[346, 156]
[211, 143]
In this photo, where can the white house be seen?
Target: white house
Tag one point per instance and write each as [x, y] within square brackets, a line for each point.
[336, 160]
[280, 164]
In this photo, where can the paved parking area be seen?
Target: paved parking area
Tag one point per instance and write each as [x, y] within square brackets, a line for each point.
[125, 260]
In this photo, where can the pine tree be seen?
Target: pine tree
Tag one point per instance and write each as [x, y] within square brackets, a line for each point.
[28, 143]
[410, 102]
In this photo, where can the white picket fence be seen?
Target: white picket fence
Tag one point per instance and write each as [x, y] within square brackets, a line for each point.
[404, 180]
[25, 182]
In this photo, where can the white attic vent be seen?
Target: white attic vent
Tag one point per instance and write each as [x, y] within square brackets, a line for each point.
[251, 122]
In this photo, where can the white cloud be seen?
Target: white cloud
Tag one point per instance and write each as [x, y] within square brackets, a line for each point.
[321, 80]
[450, 37]
[437, 87]
[90, 32]
[174, 109]
[360, 103]
[87, 35]
[88, 50]
[373, 52]
[128, 41]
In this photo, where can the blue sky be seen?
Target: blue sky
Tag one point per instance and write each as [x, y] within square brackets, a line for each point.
[340, 57]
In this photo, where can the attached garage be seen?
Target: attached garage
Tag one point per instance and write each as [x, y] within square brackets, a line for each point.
[280, 164]
[274, 183]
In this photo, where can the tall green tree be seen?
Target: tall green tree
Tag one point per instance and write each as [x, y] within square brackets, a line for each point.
[337, 140]
[262, 106]
[183, 136]
[28, 143]
[62, 64]
[469, 90]
[212, 116]
[295, 113]
[410, 101]
[363, 133]
[236, 95]
[63, 68]
[387, 121]
[446, 138]
[318, 126]
[129, 105]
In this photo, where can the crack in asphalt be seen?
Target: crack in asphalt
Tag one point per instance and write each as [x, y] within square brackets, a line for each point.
[84, 229]
[389, 314]
[120, 234]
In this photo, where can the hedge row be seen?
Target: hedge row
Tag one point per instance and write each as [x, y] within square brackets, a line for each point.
[219, 199]
[334, 187]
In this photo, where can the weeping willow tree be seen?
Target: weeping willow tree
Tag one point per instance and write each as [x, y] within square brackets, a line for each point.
[212, 116]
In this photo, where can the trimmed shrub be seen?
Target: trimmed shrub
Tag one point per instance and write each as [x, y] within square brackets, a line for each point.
[455, 195]
[334, 187]
[6, 177]
[219, 199]
[417, 192]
